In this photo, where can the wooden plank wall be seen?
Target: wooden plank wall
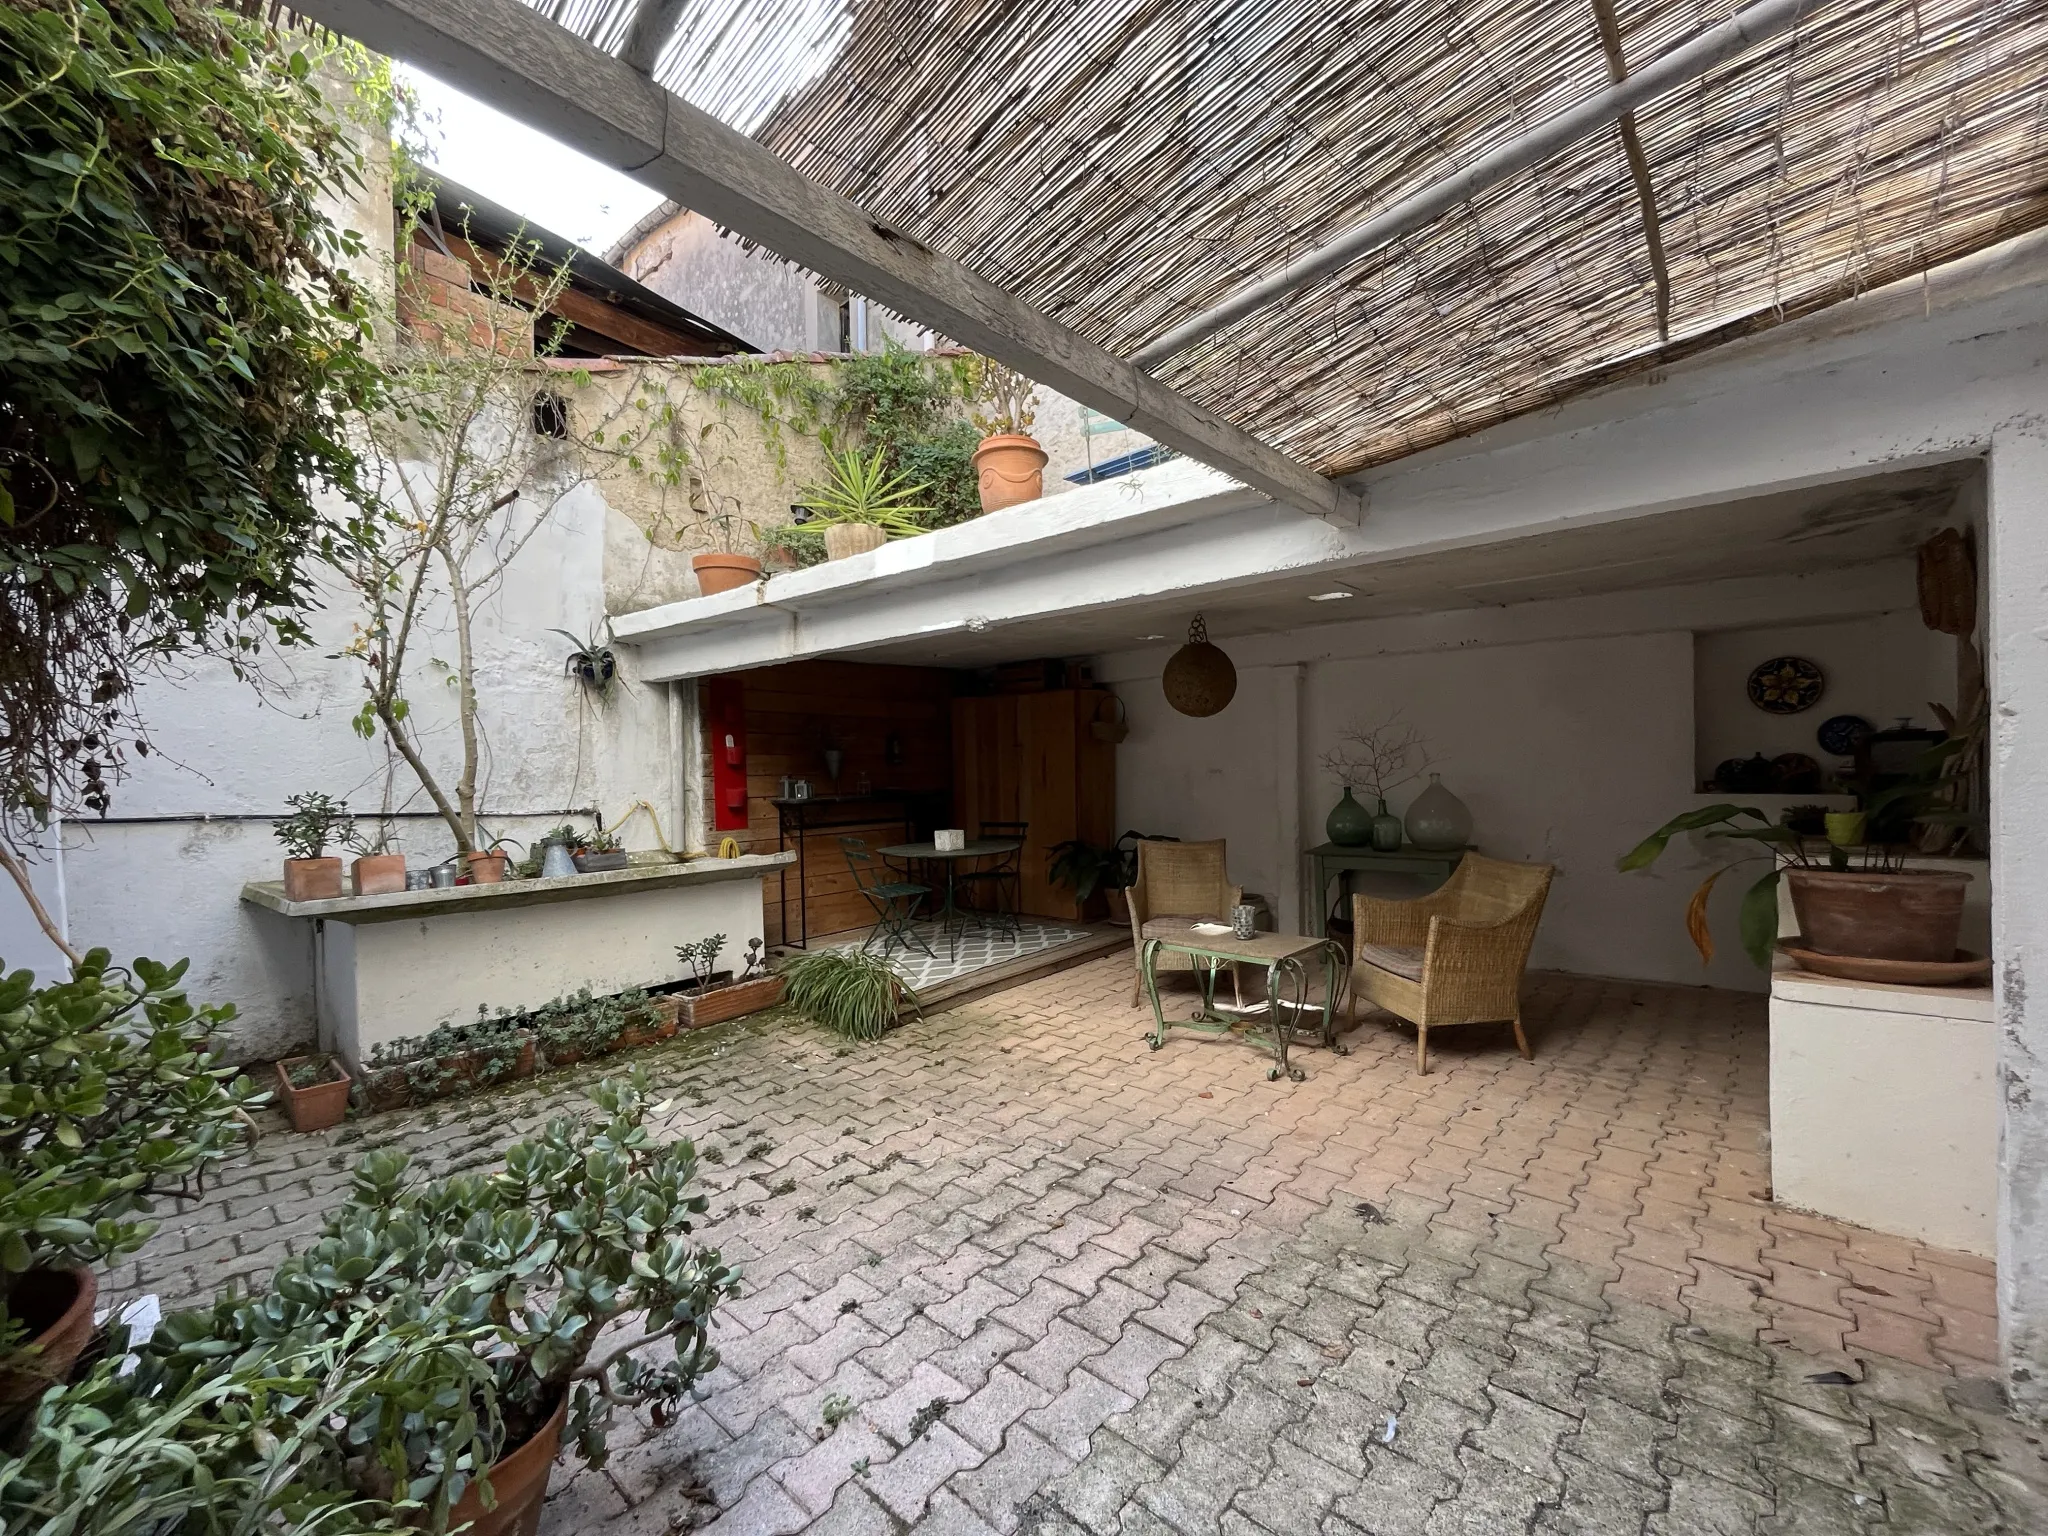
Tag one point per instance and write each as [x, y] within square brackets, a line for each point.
[791, 711]
[1032, 758]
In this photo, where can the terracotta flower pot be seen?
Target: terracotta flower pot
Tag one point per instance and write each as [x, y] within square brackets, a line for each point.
[1011, 467]
[312, 879]
[519, 1485]
[320, 1107]
[722, 573]
[1903, 914]
[485, 868]
[731, 1001]
[379, 874]
[55, 1307]
[845, 540]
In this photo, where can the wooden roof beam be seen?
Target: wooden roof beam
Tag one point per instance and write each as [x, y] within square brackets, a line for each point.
[501, 52]
[1638, 166]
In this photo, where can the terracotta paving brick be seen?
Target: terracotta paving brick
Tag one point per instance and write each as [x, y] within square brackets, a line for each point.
[1074, 1286]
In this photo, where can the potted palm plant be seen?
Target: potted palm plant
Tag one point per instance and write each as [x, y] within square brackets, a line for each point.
[1009, 462]
[862, 504]
[316, 821]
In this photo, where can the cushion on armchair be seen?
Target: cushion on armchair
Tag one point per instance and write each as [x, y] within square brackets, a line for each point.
[1399, 959]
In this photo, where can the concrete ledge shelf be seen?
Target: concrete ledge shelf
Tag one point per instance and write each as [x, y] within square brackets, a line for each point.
[269, 894]
[386, 967]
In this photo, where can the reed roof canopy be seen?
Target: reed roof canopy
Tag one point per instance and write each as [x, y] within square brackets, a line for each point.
[1125, 165]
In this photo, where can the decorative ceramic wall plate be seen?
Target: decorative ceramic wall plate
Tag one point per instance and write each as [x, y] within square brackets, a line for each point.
[1841, 735]
[1785, 685]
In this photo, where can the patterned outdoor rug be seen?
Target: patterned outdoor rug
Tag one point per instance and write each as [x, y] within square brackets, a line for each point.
[973, 950]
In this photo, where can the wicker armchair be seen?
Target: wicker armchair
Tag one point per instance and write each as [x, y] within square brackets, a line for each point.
[1454, 956]
[1176, 883]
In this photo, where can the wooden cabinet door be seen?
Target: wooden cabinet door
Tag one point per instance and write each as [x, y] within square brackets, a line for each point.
[1031, 757]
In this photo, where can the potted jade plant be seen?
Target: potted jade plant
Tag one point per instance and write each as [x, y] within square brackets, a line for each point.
[422, 1361]
[116, 1099]
[1009, 462]
[314, 1091]
[317, 821]
[712, 997]
[862, 504]
[1851, 898]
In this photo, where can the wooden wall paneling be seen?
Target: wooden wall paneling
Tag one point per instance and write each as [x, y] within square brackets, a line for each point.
[1046, 731]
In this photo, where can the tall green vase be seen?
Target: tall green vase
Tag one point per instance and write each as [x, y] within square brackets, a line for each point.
[1350, 824]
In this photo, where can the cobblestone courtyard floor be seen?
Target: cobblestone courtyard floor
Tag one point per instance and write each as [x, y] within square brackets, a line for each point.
[1072, 1286]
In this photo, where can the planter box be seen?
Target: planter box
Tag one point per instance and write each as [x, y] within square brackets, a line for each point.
[731, 1001]
[394, 1086]
[663, 1018]
[592, 863]
[378, 874]
[312, 879]
[320, 1107]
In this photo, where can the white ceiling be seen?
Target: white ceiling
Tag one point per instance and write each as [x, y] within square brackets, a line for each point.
[1788, 533]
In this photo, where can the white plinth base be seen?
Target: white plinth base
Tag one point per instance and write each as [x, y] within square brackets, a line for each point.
[1884, 1107]
[391, 966]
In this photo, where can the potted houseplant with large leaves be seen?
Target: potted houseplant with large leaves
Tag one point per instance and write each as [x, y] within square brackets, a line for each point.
[586, 1225]
[862, 504]
[1085, 868]
[112, 1098]
[1009, 462]
[1853, 898]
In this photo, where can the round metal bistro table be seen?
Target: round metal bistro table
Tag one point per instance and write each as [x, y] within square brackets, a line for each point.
[950, 915]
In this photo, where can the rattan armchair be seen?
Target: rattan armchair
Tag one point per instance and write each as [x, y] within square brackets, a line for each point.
[1454, 956]
[1176, 883]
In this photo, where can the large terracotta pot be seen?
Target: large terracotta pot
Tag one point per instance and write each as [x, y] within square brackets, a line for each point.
[312, 879]
[723, 573]
[1909, 914]
[55, 1306]
[1011, 469]
[845, 540]
[519, 1484]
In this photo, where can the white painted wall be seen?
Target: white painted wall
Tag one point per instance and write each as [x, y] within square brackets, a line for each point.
[190, 825]
[1883, 667]
[1567, 726]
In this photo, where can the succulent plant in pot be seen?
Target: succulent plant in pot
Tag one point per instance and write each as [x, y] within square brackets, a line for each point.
[317, 822]
[524, 1270]
[862, 504]
[1009, 462]
[112, 1098]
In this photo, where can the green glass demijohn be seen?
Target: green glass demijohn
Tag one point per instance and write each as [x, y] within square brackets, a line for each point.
[1350, 824]
[1386, 830]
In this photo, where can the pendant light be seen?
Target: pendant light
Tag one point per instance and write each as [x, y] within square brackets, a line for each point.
[1200, 679]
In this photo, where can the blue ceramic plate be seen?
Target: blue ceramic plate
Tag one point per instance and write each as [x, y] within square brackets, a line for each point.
[1841, 735]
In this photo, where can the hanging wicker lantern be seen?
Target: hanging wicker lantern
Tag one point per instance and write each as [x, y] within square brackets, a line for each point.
[1199, 680]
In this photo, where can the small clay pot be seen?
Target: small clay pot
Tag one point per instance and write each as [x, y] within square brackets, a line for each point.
[320, 1107]
[312, 879]
[845, 540]
[1010, 468]
[485, 868]
[723, 573]
[55, 1306]
[379, 874]
[519, 1485]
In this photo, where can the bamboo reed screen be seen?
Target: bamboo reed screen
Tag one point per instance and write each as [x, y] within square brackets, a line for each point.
[1123, 164]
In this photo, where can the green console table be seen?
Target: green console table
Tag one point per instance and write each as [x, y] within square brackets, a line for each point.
[1330, 860]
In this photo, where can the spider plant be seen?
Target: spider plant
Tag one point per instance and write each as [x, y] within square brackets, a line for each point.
[847, 990]
[865, 490]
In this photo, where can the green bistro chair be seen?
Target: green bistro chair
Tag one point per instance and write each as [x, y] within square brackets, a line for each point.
[995, 891]
[895, 901]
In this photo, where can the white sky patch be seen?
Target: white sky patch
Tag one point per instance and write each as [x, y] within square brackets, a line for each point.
[560, 190]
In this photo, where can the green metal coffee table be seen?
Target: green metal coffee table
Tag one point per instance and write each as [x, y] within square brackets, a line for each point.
[1283, 956]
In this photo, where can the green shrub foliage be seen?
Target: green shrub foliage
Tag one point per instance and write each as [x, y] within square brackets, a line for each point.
[179, 352]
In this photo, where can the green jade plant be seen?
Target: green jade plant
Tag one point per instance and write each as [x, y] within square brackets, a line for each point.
[112, 1097]
[317, 822]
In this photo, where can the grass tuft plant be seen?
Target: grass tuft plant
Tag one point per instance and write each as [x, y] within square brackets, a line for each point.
[848, 991]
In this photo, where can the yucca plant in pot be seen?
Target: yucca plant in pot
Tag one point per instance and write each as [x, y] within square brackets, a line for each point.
[1852, 898]
[862, 504]
[112, 1098]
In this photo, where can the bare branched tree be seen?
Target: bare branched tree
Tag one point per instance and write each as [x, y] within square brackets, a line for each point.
[1378, 759]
